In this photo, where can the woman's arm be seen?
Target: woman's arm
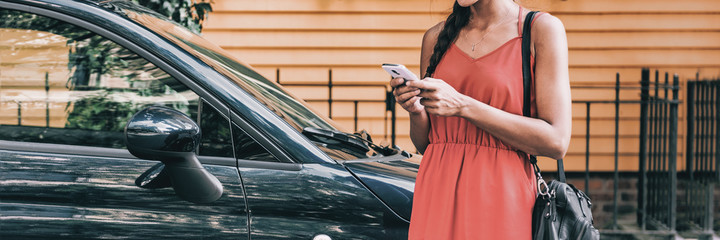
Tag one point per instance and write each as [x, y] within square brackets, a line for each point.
[549, 134]
[408, 97]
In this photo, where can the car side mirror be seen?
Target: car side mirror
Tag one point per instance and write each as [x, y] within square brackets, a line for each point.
[169, 136]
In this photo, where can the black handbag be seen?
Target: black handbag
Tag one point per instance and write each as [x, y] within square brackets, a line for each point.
[561, 211]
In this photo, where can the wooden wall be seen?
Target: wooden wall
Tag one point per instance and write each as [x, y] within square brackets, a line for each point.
[303, 39]
[23, 77]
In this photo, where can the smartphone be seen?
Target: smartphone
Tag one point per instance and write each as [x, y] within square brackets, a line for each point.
[399, 71]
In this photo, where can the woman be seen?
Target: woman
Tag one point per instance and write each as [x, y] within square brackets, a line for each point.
[475, 181]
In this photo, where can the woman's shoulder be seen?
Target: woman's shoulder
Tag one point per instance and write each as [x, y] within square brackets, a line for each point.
[431, 35]
[546, 23]
[435, 30]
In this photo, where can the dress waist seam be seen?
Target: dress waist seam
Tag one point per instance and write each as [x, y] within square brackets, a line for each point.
[475, 145]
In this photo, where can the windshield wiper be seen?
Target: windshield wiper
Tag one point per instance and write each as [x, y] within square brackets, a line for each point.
[335, 137]
[360, 141]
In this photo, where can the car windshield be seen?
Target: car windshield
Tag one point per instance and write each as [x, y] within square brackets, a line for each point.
[287, 106]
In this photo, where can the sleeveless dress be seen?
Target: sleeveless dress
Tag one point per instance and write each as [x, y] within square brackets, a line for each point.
[471, 185]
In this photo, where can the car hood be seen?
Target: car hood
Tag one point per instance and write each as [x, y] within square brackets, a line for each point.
[393, 181]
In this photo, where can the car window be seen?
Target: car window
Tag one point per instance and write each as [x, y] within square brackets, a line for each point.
[246, 148]
[215, 130]
[60, 83]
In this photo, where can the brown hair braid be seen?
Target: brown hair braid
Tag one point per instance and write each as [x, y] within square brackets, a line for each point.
[459, 17]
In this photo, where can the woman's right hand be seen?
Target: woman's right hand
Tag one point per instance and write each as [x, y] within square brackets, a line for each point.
[407, 96]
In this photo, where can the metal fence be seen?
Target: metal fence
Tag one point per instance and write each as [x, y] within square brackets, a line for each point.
[702, 154]
[46, 102]
[703, 106]
[588, 116]
[390, 116]
[660, 211]
[657, 184]
[657, 190]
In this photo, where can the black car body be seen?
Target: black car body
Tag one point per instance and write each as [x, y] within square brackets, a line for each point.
[72, 75]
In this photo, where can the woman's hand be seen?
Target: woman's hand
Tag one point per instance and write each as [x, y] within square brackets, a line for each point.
[440, 98]
[407, 96]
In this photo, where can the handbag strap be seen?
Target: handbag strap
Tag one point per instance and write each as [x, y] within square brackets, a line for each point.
[527, 88]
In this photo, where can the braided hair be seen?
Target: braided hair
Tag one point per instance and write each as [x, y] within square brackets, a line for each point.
[458, 19]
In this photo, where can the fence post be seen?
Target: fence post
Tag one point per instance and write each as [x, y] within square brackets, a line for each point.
[355, 117]
[664, 158]
[689, 147]
[689, 143]
[642, 181]
[330, 98]
[390, 106]
[716, 85]
[277, 75]
[393, 121]
[616, 175]
[19, 114]
[654, 165]
[672, 160]
[587, 148]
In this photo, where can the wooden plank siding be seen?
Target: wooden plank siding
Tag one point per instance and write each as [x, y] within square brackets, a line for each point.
[23, 69]
[302, 40]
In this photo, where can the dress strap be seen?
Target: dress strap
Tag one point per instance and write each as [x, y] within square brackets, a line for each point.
[520, 8]
[520, 19]
[536, 17]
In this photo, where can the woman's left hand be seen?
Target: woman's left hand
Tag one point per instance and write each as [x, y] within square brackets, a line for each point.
[440, 98]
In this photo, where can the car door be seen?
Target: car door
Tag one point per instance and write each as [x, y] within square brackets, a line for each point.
[289, 200]
[66, 94]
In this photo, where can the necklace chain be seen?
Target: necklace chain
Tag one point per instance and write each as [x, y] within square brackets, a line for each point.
[489, 29]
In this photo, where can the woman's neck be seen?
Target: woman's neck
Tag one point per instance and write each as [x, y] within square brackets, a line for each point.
[488, 12]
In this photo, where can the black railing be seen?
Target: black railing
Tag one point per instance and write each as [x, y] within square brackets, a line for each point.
[657, 176]
[657, 190]
[617, 102]
[46, 101]
[703, 154]
[659, 209]
[390, 116]
[703, 106]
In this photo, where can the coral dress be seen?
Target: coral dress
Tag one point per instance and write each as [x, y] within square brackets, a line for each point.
[470, 184]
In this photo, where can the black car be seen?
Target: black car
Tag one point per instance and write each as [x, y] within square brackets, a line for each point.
[116, 123]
